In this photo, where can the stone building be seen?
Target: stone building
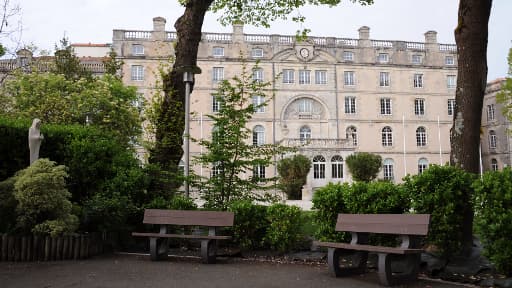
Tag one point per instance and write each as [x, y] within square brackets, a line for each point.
[496, 140]
[333, 96]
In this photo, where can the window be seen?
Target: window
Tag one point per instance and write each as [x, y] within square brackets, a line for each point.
[449, 60]
[350, 105]
[258, 172]
[23, 62]
[451, 81]
[216, 169]
[422, 165]
[137, 49]
[451, 106]
[421, 137]
[259, 103]
[418, 81]
[387, 136]
[348, 56]
[388, 169]
[385, 106]
[319, 167]
[218, 52]
[494, 164]
[419, 106]
[218, 74]
[304, 77]
[137, 72]
[352, 135]
[305, 105]
[490, 112]
[349, 78]
[383, 58]
[304, 133]
[416, 59]
[257, 75]
[384, 79]
[215, 103]
[320, 77]
[258, 135]
[288, 76]
[492, 139]
[337, 167]
[257, 52]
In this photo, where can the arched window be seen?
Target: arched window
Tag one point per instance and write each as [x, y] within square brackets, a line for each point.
[258, 172]
[422, 165]
[493, 140]
[319, 167]
[258, 135]
[305, 105]
[387, 136]
[494, 164]
[388, 169]
[421, 136]
[304, 133]
[337, 167]
[352, 135]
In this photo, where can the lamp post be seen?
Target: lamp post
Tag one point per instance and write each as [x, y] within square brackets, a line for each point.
[188, 78]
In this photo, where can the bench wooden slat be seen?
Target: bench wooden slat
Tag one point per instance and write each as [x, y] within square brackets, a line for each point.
[402, 224]
[369, 248]
[192, 218]
[183, 236]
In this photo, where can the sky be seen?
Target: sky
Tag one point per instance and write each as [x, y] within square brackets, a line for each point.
[92, 21]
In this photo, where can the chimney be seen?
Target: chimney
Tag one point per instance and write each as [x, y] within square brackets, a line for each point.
[158, 32]
[364, 33]
[238, 32]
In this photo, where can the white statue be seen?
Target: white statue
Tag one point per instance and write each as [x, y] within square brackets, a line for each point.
[34, 140]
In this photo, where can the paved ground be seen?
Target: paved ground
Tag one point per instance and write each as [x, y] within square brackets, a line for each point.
[138, 271]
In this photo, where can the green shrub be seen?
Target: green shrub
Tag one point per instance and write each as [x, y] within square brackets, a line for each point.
[43, 200]
[442, 192]
[283, 233]
[328, 202]
[493, 221]
[250, 224]
[7, 205]
[107, 212]
[375, 198]
[293, 172]
[14, 154]
[364, 166]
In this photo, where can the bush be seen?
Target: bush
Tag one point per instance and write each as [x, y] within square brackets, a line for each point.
[107, 212]
[250, 224]
[376, 198]
[43, 200]
[493, 222]
[293, 172]
[328, 202]
[364, 166]
[7, 206]
[283, 233]
[442, 192]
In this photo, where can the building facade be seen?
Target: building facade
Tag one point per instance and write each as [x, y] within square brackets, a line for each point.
[331, 97]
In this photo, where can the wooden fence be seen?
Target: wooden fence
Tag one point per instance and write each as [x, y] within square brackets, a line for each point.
[46, 248]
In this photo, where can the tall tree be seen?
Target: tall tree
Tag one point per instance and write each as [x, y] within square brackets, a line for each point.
[169, 129]
[471, 37]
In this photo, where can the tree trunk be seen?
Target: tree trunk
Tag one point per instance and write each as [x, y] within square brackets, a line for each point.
[171, 120]
[471, 38]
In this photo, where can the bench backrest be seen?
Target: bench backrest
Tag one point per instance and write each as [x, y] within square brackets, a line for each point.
[189, 217]
[403, 224]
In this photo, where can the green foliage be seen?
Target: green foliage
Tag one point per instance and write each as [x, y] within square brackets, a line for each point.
[107, 212]
[250, 224]
[504, 97]
[443, 192]
[14, 150]
[229, 152]
[283, 233]
[66, 63]
[328, 202]
[493, 211]
[112, 64]
[364, 166]
[7, 205]
[293, 171]
[375, 198]
[43, 200]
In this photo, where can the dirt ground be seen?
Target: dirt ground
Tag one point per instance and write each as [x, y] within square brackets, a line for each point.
[122, 270]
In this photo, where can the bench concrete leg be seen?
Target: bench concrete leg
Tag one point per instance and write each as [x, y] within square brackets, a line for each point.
[208, 251]
[359, 259]
[158, 248]
[390, 276]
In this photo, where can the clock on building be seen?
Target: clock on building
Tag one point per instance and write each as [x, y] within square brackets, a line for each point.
[304, 52]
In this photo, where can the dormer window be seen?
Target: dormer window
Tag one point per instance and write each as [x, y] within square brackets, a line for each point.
[218, 51]
[383, 58]
[138, 49]
[257, 53]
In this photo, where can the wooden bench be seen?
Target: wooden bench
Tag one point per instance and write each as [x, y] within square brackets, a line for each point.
[158, 242]
[410, 228]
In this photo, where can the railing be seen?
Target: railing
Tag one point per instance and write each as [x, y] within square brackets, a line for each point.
[415, 45]
[318, 143]
[347, 42]
[137, 34]
[286, 39]
[257, 38]
[382, 43]
[217, 37]
[94, 67]
[171, 36]
[448, 47]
